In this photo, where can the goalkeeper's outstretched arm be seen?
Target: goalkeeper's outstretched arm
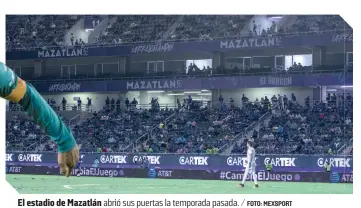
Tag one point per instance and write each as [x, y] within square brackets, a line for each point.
[14, 89]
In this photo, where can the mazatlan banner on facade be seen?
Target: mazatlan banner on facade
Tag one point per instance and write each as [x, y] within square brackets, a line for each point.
[180, 47]
[210, 83]
[285, 163]
[333, 177]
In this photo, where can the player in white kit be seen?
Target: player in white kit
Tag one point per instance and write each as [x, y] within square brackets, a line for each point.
[251, 165]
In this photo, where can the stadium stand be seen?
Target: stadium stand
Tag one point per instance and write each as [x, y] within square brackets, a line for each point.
[297, 129]
[316, 23]
[189, 129]
[208, 27]
[293, 128]
[22, 134]
[28, 31]
[133, 29]
[323, 128]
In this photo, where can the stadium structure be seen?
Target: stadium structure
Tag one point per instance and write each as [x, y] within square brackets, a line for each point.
[167, 103]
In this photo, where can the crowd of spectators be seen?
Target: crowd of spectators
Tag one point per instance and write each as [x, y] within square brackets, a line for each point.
[316, 23]
[25, 32]
[312, 128]
[192, 127]
[135, 28]
[208, 27]
[114, 130]
[201, 129]
[318, 128]
[22, 134]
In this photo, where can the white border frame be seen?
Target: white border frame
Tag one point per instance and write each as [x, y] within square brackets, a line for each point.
[9, 196]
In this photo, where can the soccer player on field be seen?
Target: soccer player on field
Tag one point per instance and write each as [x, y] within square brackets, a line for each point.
[251, 164]
[14, 89]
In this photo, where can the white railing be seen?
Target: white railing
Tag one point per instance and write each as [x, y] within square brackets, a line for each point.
[341, 148]
[74, 119]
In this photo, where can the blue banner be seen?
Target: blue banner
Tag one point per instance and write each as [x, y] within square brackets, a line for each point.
[197, 83]
[302, 176]
[288, 163]
[181, 47]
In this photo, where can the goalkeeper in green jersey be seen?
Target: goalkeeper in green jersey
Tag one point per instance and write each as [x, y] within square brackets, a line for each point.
[14, 89]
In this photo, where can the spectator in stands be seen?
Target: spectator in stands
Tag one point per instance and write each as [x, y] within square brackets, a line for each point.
[63, 102]
[53, 103]
[285, 101]
[268, 31]
[220, 98]
[72, 39]
[334, 99]
[266, 102]
[89, 103]
[264, 33]
[190, 68]
[112, 104]
[274, 100]
[118, 104]
[127, 103]
[134, 103]
[349, 97]
[209, 70]
[244, 100]
[104, 149]
[307, 101]
[255, 134]
[348, 121]
[231, 102]
[293, 97]
[328, 98]
[280, 101]
[254, 27]
[273, 27]
[107, 102]
[322, 116]
[178, 104]
[79, 104]
[189, 101]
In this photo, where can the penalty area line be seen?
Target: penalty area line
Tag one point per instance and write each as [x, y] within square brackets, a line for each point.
[72, 186]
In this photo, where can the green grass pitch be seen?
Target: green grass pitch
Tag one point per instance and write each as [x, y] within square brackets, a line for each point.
[37, 184]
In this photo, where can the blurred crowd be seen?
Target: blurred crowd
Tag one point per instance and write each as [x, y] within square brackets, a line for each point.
[318, 128]
[193, 127]
[24, 32]
[316, 23]
[135, 28]
[22, 134]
